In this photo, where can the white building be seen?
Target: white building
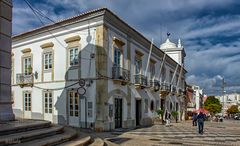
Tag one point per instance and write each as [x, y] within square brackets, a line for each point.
[198, 96]
[110, 58]
[228, 100]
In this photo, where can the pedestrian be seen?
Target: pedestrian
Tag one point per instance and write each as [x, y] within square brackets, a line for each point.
[194, 119]
[201, 118]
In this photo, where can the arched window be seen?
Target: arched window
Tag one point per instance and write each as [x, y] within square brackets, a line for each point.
[152, 105]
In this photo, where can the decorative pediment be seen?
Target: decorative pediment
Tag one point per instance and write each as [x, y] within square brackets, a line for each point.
[118, 41]
[139, 53]
[47, 45]
[27, 50]
[73, 39]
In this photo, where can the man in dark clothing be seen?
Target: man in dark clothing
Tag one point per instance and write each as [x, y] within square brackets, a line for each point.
[194, 119]
[200, 119]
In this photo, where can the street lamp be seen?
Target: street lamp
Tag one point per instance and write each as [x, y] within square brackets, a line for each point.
[223, 91]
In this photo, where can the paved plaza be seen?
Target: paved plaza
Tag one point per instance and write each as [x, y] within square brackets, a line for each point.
[215, 133]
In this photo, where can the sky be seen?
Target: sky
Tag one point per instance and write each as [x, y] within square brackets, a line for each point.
[209, 30]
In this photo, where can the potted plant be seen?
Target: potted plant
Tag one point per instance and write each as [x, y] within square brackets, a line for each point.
[160, 112]
[30, 69]
[175, 115]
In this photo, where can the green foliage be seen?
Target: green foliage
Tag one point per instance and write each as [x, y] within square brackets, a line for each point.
[233, 109]
[160, 112]
[213, 105]
[174, 113]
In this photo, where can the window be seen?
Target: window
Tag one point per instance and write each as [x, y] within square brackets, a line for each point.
[27, 101]
[138, 65]
[48, 102]
[27, 65]
[171, 106]
[73, 103]
[117, 57]
[47, 60]
[73, 56]
[90, 109]
[163, 74]
[152, 70]
[152, 105]
[170, 76]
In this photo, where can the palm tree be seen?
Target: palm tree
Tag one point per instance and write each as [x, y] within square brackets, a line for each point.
[160, 112]
[175, 115]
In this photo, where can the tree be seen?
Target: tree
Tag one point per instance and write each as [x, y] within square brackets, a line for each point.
[175, 114]
[233, 109]
[213, 105]
[160, 112]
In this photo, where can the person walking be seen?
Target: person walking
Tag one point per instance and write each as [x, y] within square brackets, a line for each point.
[194, 119]
[201, 118]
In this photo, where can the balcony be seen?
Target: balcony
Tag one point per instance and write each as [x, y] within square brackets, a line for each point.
[180, 92]
[164, 89]
[140, 81]
[154, 85]
[120, 75]
[24, 79]
[173, 89]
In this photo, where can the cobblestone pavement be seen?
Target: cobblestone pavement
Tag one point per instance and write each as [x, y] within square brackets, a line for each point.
[220, 134]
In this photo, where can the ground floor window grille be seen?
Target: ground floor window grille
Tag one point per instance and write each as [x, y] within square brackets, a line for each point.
[27, 101]
[48, 102]
[73, 104]
[90, 109]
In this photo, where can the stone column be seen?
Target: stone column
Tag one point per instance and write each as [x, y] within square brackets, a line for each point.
[6, 112]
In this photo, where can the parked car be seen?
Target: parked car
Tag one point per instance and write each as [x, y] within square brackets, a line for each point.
[237, 117]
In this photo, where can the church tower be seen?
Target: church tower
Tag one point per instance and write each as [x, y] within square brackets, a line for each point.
[176, 52]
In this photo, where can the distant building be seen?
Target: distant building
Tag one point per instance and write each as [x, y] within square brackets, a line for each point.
[195, 98]
[229, 100]
[120, 86]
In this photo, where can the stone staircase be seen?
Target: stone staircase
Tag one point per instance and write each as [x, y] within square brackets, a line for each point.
[42, 133]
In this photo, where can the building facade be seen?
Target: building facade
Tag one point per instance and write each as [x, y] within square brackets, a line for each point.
[228, 100]
[94, 71]
[6, 112]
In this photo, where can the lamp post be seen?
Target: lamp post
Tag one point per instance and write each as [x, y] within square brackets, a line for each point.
[223, 86]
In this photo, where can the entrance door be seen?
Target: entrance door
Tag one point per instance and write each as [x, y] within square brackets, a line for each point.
[48, 110]
[138, 112]
[27, 105]
[118, 113]
[73, 108]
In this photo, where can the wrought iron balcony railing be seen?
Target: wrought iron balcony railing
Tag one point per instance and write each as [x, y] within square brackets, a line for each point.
[119, 73]
[173, 89]
[164, 86]
[154, 84]
[140, 80]
[25, 79]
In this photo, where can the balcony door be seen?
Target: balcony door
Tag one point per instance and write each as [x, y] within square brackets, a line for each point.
[118, 112]
[73, 109]
[27, 65]
[27, 105]
[48, 106]
[138, 65]
[117, 57]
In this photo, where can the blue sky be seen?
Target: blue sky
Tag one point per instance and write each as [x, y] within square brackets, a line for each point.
[209, 29]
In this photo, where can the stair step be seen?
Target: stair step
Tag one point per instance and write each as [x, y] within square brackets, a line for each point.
[67, 135]
[22, 125]
[30, 135]
[78, 142]
[97, 142]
